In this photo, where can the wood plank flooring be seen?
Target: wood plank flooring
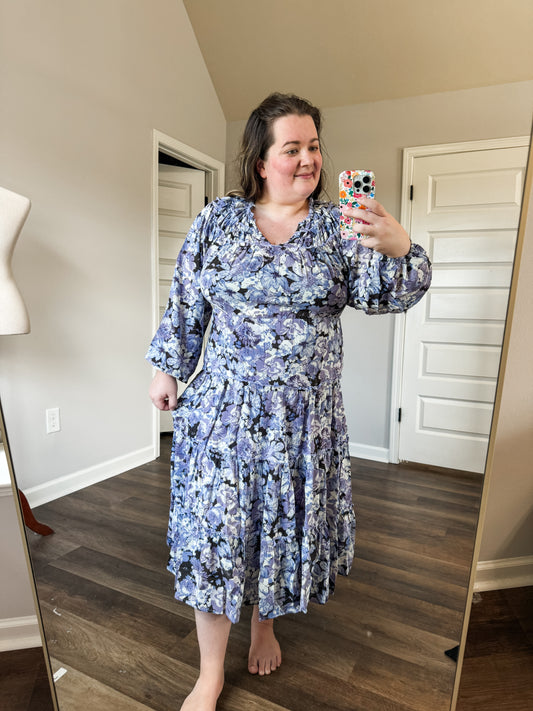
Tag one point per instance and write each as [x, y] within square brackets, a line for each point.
[24, 684]
[497, 673]
[498, 666]
[378, 645]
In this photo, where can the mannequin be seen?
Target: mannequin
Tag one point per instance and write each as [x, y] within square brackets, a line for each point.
[14, 210]
[14, 317]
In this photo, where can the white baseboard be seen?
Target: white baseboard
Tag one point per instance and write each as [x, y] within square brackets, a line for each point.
[365, 451]
[51, 490]
[504, 573]
[19, 633]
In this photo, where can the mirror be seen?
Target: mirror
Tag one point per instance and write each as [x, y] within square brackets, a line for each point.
[505, 511]
[28, 675]
[78, 134]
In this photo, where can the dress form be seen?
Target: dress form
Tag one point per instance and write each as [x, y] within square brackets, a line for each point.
[14, 210]
[14, 317]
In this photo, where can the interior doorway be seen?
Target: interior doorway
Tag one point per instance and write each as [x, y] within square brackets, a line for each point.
[463, 208]
[183, 181]
[181, 196]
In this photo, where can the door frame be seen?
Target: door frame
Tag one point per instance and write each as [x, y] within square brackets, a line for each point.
[215, 172]
[409, 156]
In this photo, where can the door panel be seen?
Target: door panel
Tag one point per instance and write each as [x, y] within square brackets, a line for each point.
[181, 197]
[465, 213]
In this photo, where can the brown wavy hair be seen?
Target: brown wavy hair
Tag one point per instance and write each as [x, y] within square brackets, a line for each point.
[258, 136]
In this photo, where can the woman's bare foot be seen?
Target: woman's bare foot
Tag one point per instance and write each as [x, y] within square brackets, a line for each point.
[265, 652]
[204, 695]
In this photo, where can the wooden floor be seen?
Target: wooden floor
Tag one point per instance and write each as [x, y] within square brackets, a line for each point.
[497, 672]
[24, 684]
[498, 666]
[378, 645]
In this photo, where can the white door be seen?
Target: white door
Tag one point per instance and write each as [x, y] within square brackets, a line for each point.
[465, 213]
[181, 196]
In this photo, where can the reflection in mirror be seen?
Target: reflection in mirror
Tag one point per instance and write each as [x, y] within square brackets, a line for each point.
[496, 635]
[78, 141]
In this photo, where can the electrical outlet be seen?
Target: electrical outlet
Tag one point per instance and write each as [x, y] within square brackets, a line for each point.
[53, 421]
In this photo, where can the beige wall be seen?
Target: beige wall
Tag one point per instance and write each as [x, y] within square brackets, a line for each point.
[16, 598]
[83, 84]
[372, 136]
[508, 527]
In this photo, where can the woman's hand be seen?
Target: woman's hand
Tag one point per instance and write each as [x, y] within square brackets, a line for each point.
[382, 233]
[164, 391]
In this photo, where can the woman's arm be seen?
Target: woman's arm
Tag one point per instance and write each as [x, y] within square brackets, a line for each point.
[177, 345]
[385, 272]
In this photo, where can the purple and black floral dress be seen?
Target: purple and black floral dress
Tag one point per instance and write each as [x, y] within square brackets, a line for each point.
[261, 509]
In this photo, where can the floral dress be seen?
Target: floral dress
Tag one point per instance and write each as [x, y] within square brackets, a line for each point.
[261, 509]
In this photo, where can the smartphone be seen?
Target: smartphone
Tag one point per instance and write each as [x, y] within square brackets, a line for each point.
[354, 184]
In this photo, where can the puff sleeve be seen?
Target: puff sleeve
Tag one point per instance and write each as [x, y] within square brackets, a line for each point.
[177, 345]
[378, 284]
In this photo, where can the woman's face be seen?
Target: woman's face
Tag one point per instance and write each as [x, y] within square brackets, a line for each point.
[291, 169]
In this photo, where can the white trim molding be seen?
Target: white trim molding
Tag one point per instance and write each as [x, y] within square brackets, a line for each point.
[504, 573]
[19, 633]
[63, 485]
[366, 451]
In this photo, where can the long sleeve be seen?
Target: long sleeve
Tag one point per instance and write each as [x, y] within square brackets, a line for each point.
[177, 344]
[379, 284]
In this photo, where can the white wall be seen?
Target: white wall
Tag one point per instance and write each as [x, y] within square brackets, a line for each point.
[82, 85]
[372, 136]
[15, 592]
[18, 621]
[507, 539]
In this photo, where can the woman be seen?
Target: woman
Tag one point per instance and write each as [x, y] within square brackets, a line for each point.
[261, 509]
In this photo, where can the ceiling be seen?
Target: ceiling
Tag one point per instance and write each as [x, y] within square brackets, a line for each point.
[342, 52]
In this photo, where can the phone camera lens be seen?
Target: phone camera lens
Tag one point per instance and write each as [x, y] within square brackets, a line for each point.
[366, 188]
[357, 184]
[366, 179]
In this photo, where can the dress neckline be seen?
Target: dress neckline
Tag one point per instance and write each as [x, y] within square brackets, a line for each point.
[261, 237]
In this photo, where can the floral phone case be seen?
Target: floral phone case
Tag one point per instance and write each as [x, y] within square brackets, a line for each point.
[354, 184]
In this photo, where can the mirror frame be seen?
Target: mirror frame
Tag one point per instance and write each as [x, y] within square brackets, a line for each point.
[24, 537]
[525, 225]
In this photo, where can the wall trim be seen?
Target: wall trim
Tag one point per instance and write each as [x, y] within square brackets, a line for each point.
[504, 573]
[63, 485]
[366, 451]
[19, 633]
